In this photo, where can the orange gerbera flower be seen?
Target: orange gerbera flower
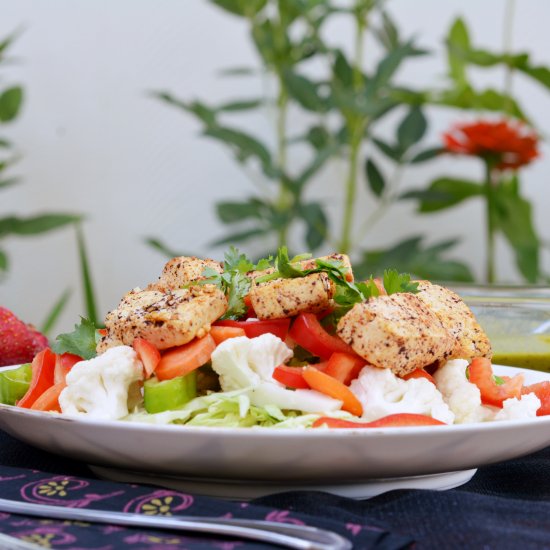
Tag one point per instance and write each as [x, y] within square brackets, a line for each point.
[510, 144]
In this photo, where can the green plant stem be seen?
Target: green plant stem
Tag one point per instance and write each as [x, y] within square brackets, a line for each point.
[284, 200]
[507, 48]
[490, 223]
[356, 128]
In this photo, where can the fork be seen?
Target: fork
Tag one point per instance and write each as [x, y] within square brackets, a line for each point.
[301, 537]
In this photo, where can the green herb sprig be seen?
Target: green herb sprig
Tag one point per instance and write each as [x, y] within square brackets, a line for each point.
[82, 341]
[236, 282]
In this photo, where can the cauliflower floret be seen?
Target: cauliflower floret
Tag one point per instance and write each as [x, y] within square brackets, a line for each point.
[249, 363]
[100, 387]
[519, 409]
[382, 393]
[463, 397]
[242, 362]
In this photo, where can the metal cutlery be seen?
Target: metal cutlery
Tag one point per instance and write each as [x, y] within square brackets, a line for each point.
[287, 535]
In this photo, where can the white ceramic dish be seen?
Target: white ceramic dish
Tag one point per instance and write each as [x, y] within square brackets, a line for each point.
[246, 462]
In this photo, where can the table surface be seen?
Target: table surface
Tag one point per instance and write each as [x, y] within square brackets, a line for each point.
[504, 505]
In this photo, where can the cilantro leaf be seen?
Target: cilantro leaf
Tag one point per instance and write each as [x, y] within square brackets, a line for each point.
[233, 282]
[82, 341]
[398, 282]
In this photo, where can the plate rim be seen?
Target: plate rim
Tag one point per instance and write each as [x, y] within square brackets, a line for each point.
[274, 432]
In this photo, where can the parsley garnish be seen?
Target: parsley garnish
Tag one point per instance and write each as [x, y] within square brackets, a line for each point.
[347, 293]
[82, 341]
[234, 281]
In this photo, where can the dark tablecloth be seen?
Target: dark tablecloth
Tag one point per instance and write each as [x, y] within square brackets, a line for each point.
[505, 505]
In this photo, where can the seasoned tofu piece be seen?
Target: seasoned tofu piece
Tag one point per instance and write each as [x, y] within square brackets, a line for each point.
[310, 264]
[164, 319]
[286, 297]
[181, 271]
[469, 338]
[397, 332]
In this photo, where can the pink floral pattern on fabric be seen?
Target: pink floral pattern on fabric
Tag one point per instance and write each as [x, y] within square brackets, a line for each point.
[72, 492]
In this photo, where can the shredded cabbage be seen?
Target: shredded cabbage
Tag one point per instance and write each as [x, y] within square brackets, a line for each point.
[229, 410]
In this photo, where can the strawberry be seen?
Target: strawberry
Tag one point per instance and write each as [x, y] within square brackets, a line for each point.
[19, 342]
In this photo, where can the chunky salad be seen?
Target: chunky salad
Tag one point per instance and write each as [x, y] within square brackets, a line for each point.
[281, 343]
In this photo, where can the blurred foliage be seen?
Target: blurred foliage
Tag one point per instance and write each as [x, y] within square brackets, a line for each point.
[508, 212]
[343, 110]
[13, 225]
[11, 100]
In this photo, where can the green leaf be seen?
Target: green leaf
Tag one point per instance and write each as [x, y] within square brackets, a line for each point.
[238, 71]
[388, 35]
[318, 136]
[540, 74]
[515, 220]
[304, 91]
[395, 282]
[413, 256]
[4, 184]
[234, 212]
[86, 277]
[412, 128]
[10, 102]
[35, 225]
[197, 108]
[234, 281]
[7, 42]
[3, 261]
[342, 70]
[458, 40]
[390, 151]
[444, 193]
[242, 105]
[163, 248]
[374, 178]
[427, 154]
[468, 98]
[244, 146]
[240, 236]
[5, 144]
[244, 8]
[56, 311]
[388, 66]
[82, 341]
[316, 223]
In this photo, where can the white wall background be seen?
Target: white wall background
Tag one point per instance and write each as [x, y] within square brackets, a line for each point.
[94, 142]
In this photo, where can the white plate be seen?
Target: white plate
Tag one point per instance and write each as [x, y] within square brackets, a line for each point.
[344, 461]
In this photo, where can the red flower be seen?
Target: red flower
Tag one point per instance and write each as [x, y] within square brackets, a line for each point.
[510, 144]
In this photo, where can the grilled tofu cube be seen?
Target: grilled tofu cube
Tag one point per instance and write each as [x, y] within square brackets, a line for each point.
[164, 319]
[397, 332]
[469, 338]
[286, 297]
[183, 270]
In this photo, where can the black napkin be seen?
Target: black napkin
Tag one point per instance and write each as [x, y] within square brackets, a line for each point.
[505, 505]
[60, 488]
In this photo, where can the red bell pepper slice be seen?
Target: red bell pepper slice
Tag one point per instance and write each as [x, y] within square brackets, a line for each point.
[481, 374]
[291, 377]
[420, 373]
[63, 364]
[148, 354]
[308, 333]
[278, 327]
[399, 420]
[345, 367]
[43, 366]
[542, 391]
